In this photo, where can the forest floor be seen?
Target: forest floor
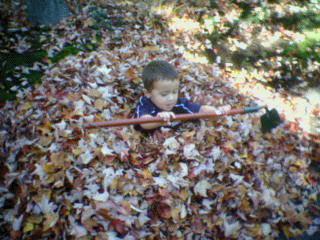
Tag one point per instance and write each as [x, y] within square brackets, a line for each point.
[213, 179]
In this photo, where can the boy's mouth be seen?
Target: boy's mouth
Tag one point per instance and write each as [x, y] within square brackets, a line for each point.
[169, 106]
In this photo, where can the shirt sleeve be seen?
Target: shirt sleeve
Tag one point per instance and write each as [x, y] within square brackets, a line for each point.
[189, 106]
[144, 107]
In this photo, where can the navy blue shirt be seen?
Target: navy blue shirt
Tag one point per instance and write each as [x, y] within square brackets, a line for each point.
[146, 106]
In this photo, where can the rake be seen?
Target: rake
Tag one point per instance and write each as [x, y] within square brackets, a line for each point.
[269, 120]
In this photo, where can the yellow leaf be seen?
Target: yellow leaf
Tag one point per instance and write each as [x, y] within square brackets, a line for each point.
[77, 151]
[88, 22]
[26, 106]
[300, 164]
[46, 128]
[175, 213]
[59, 158]
[151, 48]
[100, 104]
[290, 232]
[50, 168]
[244, 155]
[147, 173]
[255, 230]
[28, 227]
[94, 93]
[183, 194]
[35, 219]
[45, 140]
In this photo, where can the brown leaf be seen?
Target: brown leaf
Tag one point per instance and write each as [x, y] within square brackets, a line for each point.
[163, 210]
[119, 226]
[105, 213]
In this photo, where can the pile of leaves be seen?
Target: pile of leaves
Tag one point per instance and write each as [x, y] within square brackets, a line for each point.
[216, 179]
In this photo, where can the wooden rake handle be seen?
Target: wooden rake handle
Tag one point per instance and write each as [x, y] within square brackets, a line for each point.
[178, 117]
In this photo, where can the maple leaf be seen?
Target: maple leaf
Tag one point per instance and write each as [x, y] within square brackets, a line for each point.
[201, 188]
[46, 206]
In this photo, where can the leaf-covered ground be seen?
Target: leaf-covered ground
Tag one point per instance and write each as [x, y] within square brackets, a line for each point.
[217, 179]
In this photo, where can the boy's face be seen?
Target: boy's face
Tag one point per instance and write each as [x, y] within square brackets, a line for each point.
[164, 94]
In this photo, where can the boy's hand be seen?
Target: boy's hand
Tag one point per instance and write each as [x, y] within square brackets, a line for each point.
[225, 108]
[166, 116]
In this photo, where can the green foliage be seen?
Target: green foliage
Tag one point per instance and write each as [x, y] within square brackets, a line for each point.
[33, 77]
[13, 59]
[66, 51]
[102, 20]
[259, 15]
[309, 48]
[299, 21]
[11, 75]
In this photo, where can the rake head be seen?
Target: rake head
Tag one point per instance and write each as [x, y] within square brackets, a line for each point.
[270, 120]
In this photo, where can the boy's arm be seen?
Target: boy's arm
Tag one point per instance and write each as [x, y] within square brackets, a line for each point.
[166, 117]
[211, 109]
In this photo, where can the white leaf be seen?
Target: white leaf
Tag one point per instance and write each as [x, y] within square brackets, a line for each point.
[162, 182]
[61, 126]
[120, 147]
[137, 209]
[46, 206]
[107, 92]
[17, 222]
[78, 231]
[202, 187]
[216, 153]
[237, 165]
[183, 211]
[106, 114]
[177, 180]
[87, 99]
[106, 151]
[86, 157]
[207, 203]
[266, 228]
[208, 166]
[190, 151]
[171, 145]
[184, 169]
[109, 175]
[93, 85]
[101, 197]
[104, 70]
[79, 107]
[237, 178]
[268, 196]
[143, 219]
[231, 228]
[39, 171]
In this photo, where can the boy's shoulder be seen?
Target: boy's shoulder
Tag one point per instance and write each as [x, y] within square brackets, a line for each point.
[145, 106]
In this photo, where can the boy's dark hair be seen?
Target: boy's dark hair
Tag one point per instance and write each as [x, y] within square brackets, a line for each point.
[158, 70]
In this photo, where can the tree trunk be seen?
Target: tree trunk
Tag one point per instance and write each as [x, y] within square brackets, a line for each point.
[47, 12]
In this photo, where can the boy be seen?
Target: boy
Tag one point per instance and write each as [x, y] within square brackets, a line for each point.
[161, 82]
